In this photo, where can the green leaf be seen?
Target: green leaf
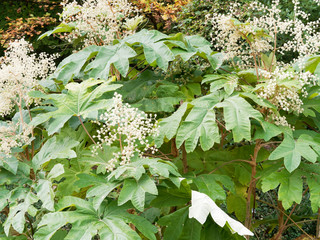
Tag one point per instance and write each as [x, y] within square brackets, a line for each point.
[9, 163]
[174, 223]
[62, 27]
[268, 131]
[292, 150]
[150, 93]
[78, 101]
[227, 81]
[291, 185]
[168, 127]
[237, 114]
[100, 192]
[118, 55]
[155, 49]
[56, 171]
[213, 185]
[314, 186]
[86, 222]
[54, 148]
[16, 217]
[101, 159]
[45, 194]
[171, 197]
[71, 66]
[135, 191]
[200, 124]
[138, 167]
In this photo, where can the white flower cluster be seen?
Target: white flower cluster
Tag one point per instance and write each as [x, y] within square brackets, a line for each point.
[101, 21]
[11, 136]
[20, 70]
[129, 128]
[262, 29]
[283, 88]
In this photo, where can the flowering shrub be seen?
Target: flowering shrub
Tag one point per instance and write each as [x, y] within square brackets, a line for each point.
[142, 135]
[129, 127]
[99, 22]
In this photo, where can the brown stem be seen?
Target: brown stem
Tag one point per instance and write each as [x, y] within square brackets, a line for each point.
[174, 149]
[283, 227]
[296, 224]
[223, 136]
[318, 225]
[85, 129]
[252, 185]
[253, 54]
[135, 66]
[222, 125]
[140, 72]
[30, 223]
[184, 159]
[120, 141]
[274, 49]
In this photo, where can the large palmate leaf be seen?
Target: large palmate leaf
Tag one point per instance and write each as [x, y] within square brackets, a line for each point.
[150, 93]
[291, 186]
[237, 113]
[44, 187]
[80, 100]
[100, 159]
[55, 148]
[292, 150]
[175, 225]
[168, 127]
[118, 55]
[62, 27]
[226, 81]
[137, 168]
[135, 191]
[154, 47]
[16, 217]
[199, 124]
[86, 222]
[213, 185]
[72, 66]
[197, 45]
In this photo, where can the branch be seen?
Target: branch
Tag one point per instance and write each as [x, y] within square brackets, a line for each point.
[86, 130]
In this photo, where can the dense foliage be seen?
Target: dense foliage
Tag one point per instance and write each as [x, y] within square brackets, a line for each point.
[140, 134]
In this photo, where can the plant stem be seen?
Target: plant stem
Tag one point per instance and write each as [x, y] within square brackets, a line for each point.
[318, 225]
[140, 72]
[283, 227]
[252, 185]
[184, 159]
[86, 130]
[174, 149]
[296, 224]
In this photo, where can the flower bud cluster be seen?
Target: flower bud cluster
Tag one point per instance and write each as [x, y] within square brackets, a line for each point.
[101, 21]
[262, 28]
[127, 127]
[13, 136]
[20, 71]
[284, 88]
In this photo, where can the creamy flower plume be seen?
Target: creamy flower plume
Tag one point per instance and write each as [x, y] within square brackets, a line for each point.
[230, 35]
[20, 72]
[128, 126]
[100, 21]
[13, 136]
